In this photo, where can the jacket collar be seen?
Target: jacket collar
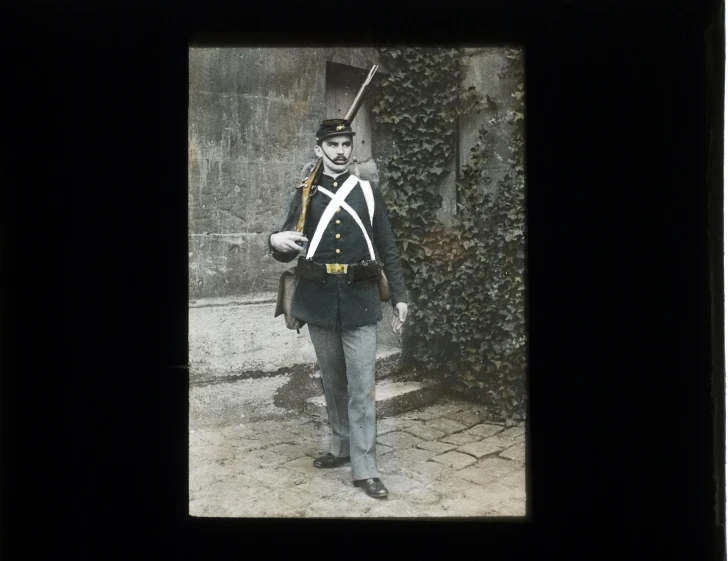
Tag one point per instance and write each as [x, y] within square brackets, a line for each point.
[328, 180]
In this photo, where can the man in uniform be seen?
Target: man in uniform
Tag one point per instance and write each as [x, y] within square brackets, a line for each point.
[337, 296]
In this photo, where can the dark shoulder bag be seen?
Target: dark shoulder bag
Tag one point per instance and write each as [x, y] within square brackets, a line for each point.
[284, 302]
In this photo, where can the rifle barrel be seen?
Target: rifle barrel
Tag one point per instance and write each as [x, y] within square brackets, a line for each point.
[351, 113]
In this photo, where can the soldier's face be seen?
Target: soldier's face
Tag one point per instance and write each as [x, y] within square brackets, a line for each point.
[336, 152]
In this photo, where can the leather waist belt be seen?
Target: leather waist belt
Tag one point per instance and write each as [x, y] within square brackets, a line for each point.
[366, 270]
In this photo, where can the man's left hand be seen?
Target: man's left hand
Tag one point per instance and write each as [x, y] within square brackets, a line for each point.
[399, 317]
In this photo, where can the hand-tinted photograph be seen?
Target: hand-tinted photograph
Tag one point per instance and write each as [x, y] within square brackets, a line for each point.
[357, 284]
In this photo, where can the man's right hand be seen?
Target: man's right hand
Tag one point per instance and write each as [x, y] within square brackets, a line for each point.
[286, 242]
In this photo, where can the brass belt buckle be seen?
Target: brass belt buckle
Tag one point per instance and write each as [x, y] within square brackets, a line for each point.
[336, 269]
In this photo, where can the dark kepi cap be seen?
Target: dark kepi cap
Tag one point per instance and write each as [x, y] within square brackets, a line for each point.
[334, 127]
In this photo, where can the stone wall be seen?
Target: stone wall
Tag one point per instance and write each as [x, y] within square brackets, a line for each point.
[482, 68]
[252, 113]
[249, 112]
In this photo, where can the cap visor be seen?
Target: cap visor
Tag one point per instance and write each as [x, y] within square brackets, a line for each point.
[329, 135]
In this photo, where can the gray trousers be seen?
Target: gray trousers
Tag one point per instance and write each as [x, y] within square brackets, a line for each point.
[347, 360]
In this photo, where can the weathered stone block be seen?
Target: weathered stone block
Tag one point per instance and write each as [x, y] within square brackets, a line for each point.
[448, 426]
[320, 488]
[472, 506]
[504, 443]
[413, 455]
[399, 440]
[392, 424]
[439, 447]
[455, 460]
[431, 470]
[425, 432]
[480, 449]
[517, 452]
[498, 466]
[513, 433]
[488, 471]
[460, 438]
[387, 463]
[400, 484]
[484, 430]
[423, 496]
[457, 487]
[382, 449]
[515, 479]
[499, 491]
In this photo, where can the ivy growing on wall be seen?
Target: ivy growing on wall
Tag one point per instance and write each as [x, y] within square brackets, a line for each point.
[466, 281]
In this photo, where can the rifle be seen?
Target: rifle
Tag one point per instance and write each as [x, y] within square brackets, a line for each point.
[309, 182]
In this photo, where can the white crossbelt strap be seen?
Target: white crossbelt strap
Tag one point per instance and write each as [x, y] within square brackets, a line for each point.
[369, 196]
[335, 203]
[356, 218]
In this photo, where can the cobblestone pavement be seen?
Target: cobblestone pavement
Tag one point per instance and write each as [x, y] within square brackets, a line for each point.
[441, 461]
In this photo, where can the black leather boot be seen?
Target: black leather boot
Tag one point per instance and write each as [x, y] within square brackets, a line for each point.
[330, 461]
[372, 487]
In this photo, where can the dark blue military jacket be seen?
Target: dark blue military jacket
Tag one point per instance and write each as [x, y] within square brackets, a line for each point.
[335, 302]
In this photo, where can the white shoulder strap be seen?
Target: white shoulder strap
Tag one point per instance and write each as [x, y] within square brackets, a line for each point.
[369, 196]
[356, 218]
[336, 202]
